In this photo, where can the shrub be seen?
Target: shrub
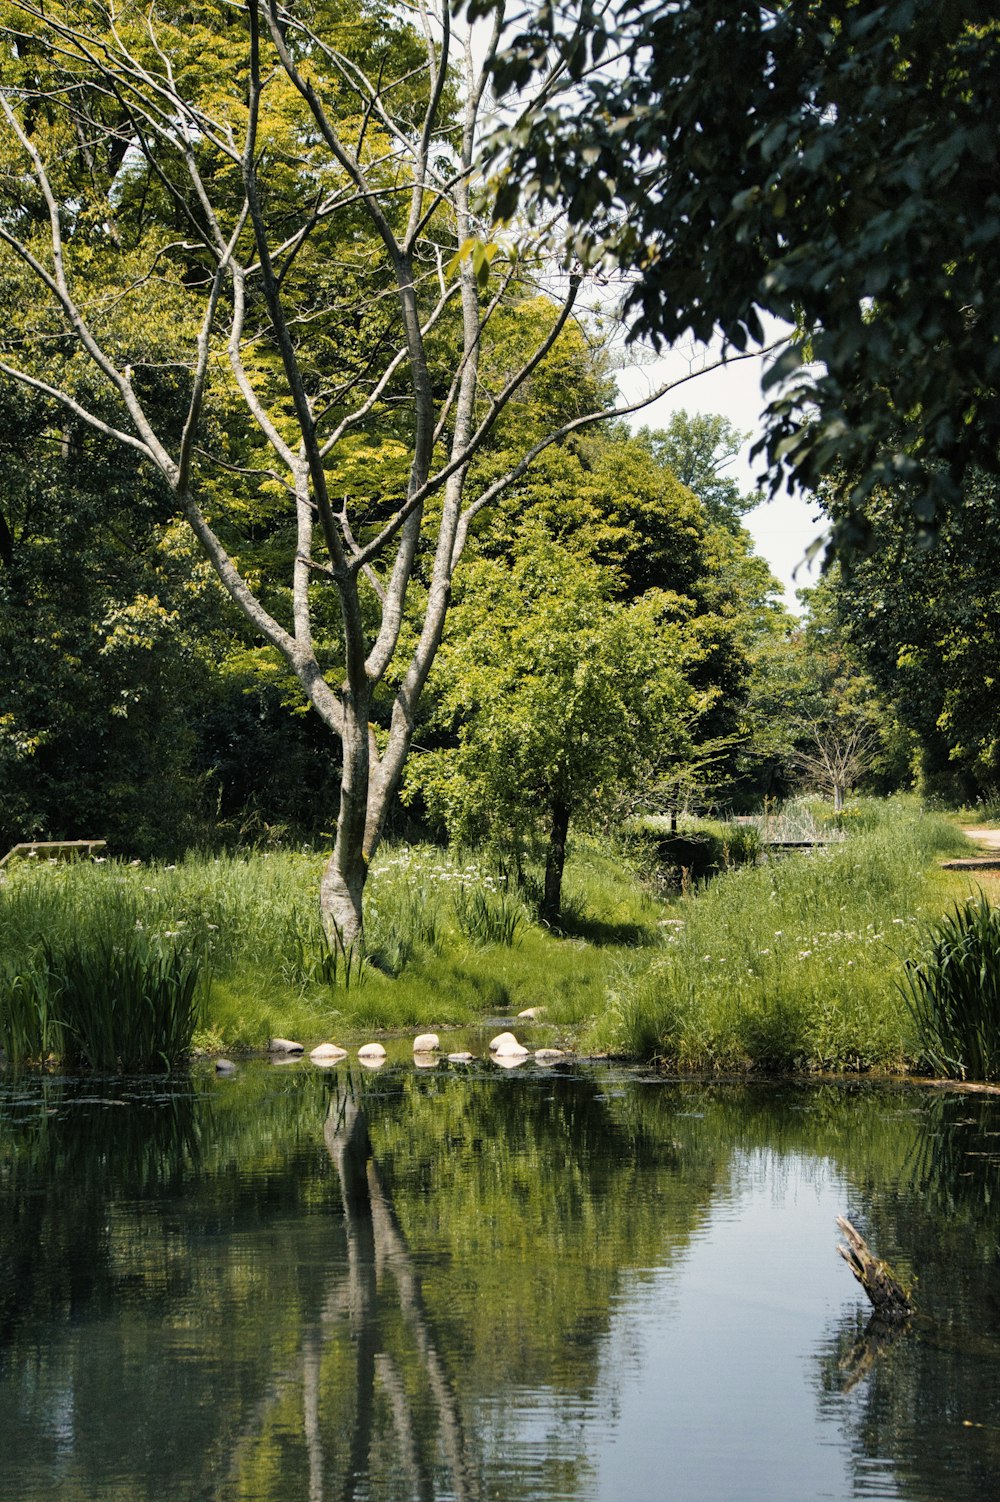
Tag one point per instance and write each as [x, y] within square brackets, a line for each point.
[953, 993]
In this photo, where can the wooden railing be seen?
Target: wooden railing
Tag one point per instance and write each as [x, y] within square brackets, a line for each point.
[53, 850]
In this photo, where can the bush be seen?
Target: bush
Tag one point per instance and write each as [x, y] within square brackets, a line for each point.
[953, 993]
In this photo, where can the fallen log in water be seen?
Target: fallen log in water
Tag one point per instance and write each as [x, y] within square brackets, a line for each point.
[889, 1298]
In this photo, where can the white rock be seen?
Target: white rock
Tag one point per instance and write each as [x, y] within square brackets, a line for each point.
[328, 1053]
[372, 1063]
[426, 1043]
[225, 1066]
[509, 1060]
[506, 1045]
[548, 1055]
[369, 1052]
[461, 1058]
[284, 1045]
[532, 1014]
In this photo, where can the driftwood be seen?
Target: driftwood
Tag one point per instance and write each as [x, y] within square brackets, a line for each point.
[889, 1298]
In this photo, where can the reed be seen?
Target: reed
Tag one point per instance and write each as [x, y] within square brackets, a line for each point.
[952, 991]
[489, 916]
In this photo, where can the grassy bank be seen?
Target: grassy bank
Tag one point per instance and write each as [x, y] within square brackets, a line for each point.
[790, 965]
[446, 943]
[794, 964]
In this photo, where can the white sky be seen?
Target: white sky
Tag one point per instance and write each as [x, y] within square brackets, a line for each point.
[782, 529]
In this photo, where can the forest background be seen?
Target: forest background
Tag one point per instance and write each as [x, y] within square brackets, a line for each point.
[612, 648]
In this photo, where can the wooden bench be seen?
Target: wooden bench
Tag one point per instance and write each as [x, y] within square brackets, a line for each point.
[53, 850]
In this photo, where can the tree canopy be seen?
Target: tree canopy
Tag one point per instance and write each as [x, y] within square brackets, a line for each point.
[831, 163]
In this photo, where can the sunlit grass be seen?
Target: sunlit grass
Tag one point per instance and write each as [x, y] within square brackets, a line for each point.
[447, 941]
[952, 988]
[793, 964]
[790, 965]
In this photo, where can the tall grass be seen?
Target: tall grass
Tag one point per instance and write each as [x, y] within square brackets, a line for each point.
[792, 964]
[237, 943]
[86, 978]
[953, 992]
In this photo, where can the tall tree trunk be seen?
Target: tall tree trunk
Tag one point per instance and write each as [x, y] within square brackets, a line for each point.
[343, 884]
[555, 859]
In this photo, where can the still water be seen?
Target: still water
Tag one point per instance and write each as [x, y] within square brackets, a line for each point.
[591, 1286]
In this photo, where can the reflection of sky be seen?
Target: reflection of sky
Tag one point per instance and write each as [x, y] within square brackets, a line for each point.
[707, 1389]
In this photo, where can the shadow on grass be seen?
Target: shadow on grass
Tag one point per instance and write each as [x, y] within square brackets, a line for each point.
[596, 931]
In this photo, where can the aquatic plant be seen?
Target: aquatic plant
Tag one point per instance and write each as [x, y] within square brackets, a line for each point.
[953, 992]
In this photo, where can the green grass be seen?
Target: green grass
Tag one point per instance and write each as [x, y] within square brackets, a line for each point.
[796, 964]
[446, 943]
[92, 975]
[793, 964]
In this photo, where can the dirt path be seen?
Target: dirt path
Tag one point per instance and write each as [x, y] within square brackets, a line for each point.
[988, 838]
[987, 857]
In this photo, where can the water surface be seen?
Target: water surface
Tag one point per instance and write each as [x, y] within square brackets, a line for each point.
[522, 1286]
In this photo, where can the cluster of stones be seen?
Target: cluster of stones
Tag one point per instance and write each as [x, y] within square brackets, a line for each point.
[505, 1050]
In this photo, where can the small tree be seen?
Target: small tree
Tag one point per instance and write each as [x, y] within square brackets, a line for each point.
[559, 696]
[834, 753]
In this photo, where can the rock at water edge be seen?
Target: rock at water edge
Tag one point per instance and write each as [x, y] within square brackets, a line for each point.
[284, 1045]
[506, 1045]
[328, 1053]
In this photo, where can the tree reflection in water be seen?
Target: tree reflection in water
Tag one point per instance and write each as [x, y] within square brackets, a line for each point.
[294, 1286]
[376, 1247]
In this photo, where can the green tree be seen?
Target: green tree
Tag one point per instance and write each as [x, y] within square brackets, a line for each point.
[558, 694]
[833, 164]
[268, 216]
[613, 499]
[923, 621]
[698, 449]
